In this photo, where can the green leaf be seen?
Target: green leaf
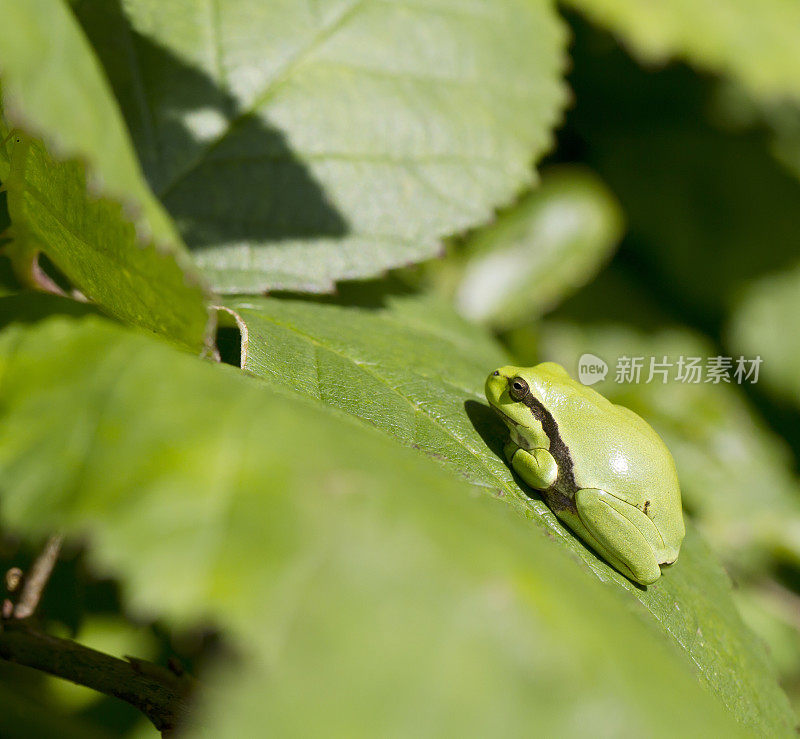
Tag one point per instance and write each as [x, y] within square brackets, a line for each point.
[97, 248]
[298, 144]
[733, 108]
[770, 609]
[29, 307]
[110, 237]
[737, 475]
[784, 120]
[364, 591]
[756, 43]
[540, 250]
[420, 381]
[710, 430]
[764, 324]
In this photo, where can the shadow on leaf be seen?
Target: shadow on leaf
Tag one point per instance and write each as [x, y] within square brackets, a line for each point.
[219, 188]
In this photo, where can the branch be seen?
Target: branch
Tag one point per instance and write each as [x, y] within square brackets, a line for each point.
[158, 693]
[35, 580]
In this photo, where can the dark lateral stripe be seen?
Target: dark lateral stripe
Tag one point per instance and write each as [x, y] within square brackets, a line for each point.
[559, 450]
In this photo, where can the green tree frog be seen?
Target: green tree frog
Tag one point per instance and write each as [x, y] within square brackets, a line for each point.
[600, 468]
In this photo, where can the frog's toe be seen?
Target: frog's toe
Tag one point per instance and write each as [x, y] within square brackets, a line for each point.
[647, 575]
[669, 558]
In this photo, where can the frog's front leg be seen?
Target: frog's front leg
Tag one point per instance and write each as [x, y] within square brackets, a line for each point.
[536, 467]
[623, 534]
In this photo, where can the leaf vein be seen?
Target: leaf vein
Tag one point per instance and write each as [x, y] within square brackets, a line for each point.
[275, 84]
[415, 407]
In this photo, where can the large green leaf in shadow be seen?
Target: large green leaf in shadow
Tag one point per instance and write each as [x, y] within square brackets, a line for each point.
[300, 143]
[365, 591]
[109, 236]
[414, 371]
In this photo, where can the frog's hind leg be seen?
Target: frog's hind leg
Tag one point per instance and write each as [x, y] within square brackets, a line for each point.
[623, 535]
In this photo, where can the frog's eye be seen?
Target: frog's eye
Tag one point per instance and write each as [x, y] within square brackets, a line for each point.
[518, 388]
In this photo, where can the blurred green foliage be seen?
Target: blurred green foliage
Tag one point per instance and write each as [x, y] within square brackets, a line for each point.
[575, 223]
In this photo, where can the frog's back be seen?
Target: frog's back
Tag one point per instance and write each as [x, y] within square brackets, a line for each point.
[612, 448]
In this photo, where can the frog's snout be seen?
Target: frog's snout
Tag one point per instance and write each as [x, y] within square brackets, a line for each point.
[495, 385]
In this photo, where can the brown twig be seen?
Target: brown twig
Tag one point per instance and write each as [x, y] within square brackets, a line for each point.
[157, 692]
[36, 578]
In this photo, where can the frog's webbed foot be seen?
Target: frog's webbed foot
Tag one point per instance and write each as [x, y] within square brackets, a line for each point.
[622, 534]
[536, 467]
